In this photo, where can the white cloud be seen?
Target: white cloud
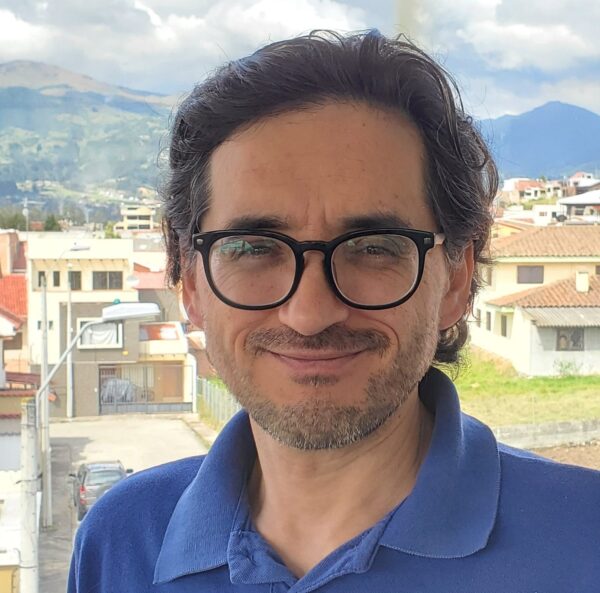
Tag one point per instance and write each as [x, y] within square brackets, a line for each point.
[18, 37]
[513, 46]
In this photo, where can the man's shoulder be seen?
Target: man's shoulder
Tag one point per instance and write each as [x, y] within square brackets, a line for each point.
[149, 496]
[541, 486]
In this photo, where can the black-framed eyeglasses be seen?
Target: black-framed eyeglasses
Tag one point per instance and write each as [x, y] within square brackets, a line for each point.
[367, 269]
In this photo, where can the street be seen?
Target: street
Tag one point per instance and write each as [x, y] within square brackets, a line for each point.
[138, 441]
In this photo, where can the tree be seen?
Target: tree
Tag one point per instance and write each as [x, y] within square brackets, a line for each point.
[51, 223]
[11, 219]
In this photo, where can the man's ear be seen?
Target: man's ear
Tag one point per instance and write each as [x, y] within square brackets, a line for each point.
[191, 297]
[456, 300]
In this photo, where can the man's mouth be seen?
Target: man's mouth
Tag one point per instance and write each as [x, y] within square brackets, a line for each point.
[315, 361]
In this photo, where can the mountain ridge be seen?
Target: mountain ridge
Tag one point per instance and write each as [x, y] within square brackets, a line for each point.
[63, 126]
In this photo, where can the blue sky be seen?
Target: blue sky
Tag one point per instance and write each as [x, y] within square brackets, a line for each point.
[507, 55]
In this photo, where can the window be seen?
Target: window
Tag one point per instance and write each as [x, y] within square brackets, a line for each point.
[478, 317]
[75, 280]
[530, 274]
[569, 339]
[597, 270]
[41, 279]
[101, 335]
[107, 280]
[487, 275]
[503, 325]
[488, 321]
[55, 278]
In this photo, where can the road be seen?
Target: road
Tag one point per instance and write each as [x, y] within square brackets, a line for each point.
[139, 441]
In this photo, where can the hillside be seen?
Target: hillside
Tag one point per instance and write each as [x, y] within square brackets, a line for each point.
[67, 128]
[60, 126]
[553, 140]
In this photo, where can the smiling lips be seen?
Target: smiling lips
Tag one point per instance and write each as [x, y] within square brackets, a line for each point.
[315, 361]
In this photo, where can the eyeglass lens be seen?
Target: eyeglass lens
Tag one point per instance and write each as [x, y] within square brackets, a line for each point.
[374, 270]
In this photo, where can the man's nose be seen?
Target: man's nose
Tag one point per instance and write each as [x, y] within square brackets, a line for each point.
[314, 306]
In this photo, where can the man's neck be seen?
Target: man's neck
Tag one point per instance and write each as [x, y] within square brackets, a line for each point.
[308, 503]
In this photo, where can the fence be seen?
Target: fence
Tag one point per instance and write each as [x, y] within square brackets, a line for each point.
[215, 404]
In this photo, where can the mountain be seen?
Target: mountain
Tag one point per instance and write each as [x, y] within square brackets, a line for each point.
[56, 125]
[63, 127]
[553, 140]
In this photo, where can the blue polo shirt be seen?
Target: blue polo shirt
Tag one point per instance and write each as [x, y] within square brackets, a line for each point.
[482, 518]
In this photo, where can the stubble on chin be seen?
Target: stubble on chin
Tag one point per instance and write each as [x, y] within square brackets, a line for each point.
[317, 423]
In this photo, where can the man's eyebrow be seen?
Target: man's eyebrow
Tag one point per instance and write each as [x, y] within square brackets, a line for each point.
[253, 223]
[377, 220]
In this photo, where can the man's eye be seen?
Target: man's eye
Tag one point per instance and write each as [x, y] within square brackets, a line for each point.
[244, 248]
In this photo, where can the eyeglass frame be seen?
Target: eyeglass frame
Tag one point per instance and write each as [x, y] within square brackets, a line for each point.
[424, 240]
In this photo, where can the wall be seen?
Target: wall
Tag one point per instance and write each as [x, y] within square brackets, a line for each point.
[516, 347]
[504, 275]
[545, 358]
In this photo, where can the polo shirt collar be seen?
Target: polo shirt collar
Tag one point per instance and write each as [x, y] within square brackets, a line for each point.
[452, 508]
[450, 512]
[198, 533]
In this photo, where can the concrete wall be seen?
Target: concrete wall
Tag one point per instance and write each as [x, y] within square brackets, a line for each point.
[504, 275]
[546, 360]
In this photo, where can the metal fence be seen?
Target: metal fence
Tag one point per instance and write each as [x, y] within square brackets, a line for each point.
[215, 404]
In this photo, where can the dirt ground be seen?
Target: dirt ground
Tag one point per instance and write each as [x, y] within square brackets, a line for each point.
[587, 455]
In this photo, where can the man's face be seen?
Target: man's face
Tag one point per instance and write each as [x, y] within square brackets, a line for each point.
[314, 372]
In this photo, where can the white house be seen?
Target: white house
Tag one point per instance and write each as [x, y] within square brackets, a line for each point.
[540, 308]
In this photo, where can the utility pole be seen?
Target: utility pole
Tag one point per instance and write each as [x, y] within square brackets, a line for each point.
[70, 400]
[44, 419]
[28, 569]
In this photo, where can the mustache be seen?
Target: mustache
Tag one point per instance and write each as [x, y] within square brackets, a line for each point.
[334, 337]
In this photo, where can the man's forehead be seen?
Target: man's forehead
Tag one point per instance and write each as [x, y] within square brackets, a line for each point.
[346, 222]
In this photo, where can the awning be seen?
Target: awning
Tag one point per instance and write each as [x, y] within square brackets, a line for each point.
[564, 316]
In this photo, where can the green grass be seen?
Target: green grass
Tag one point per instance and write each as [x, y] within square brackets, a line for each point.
[492, 391]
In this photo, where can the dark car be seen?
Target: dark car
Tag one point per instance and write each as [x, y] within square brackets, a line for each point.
[92, 480]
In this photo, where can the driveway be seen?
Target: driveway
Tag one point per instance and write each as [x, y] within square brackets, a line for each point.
[139, 441]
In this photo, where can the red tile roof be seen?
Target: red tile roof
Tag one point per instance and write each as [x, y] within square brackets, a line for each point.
[556, 294]
[13, 294]
[529, 183]
[551, 241]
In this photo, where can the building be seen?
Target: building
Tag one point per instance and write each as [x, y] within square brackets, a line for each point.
[137, 217]
[584, 207]
[112, 369]
[543, 290]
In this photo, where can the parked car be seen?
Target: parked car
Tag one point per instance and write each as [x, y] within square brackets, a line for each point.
[92, 480]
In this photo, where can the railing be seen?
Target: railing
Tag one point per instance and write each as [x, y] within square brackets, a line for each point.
[215, 404]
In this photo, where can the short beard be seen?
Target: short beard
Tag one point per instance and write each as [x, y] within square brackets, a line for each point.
[316, 423]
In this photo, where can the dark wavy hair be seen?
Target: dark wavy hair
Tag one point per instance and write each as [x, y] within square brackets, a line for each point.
[325, 66]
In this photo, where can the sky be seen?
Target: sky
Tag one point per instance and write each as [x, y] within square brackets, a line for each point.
[508, 56]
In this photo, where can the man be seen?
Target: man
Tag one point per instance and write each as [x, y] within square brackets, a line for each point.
[327, 205]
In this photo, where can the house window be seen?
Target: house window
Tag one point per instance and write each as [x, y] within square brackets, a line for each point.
[101, 335]
[55, 278]
[478, 317]
[107, 280]
[487, 275]
[75, 280]
[530, 274]
[41, 279]
[503, 326]
[569, 339]
[597, 270]
[488, 321]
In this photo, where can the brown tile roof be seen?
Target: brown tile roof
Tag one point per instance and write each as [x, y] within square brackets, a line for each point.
[551, 241]
[513, 224]
[13, 294]
[527, 184]
[556, 294]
